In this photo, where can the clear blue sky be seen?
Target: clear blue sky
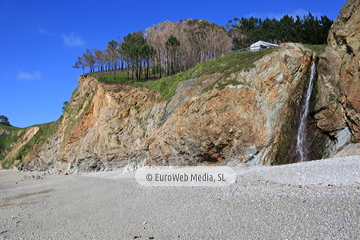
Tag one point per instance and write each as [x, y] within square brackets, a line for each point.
[41, 40]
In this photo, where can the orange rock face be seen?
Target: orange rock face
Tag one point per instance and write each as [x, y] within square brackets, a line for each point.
[337, 108]
[252, 120]
[242, 122]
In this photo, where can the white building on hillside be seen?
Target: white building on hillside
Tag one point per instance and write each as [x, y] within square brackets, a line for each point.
[261, 44]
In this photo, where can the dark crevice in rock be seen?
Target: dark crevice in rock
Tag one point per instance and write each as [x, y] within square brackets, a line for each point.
[349, 50]
[208, 158]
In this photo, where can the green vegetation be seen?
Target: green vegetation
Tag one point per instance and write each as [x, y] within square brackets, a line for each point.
[131, 130]
[233, 63]
[75, 93]
[143, 135]
[4, 120]
[228, 64]
[121, 78]
[169, 47]
[172, 47]
[166, 86]
[48, 130]
[8, 128]
[307, 30]
[137, 53]
[166, 48]
[318, 49]
[77, 111]
[6, 140]
[87, 107]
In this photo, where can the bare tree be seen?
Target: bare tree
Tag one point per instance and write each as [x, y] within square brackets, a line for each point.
[200, 41]
[89, 60]
[100, 57]
[80, 63]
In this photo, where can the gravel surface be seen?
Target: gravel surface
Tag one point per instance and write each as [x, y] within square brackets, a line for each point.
[312, 200]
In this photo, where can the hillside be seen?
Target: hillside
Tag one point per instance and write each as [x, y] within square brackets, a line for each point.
[15, 143]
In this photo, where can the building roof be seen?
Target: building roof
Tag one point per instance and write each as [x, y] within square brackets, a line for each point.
[261, 44]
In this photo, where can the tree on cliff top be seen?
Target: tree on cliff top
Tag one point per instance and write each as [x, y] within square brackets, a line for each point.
[172, 48]
[4, 120]
[136, 51]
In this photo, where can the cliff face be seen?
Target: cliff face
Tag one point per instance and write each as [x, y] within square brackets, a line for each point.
[16, 141]
[250, 117]
[248, 121]
[253, 119]
[337, 102]
[103, 127]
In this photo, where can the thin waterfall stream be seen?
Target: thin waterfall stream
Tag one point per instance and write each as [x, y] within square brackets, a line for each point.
[301, 136]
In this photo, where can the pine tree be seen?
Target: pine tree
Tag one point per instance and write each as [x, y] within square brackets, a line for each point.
[4, 120]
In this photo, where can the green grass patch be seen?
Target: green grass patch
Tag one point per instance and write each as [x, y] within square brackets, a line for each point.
[45, 131]
[75, 93]
[236, 62]
[318, 49]
[6, 140]
[231, 63]
[87, 107]
[48, 129]
[8, 128]
[122, 78]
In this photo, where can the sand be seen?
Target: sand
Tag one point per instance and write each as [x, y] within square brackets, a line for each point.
[311, 200]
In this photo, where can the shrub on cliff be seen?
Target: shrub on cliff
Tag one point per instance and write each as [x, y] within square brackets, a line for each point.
[4, 120]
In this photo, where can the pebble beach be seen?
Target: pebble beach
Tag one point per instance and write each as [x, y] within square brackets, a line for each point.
[310, 200]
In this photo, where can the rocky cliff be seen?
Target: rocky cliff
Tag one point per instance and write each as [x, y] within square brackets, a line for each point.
[336, 106]
[251, 120]
[250, 116]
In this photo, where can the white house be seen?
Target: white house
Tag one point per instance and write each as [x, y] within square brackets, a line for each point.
[261, 44]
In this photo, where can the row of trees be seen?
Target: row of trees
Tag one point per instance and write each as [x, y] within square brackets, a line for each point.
[180, 46]
[164, 49]
[168, 47]
[103, 60]
[306, 30]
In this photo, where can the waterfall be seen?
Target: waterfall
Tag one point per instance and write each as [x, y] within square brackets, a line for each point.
[301, 136]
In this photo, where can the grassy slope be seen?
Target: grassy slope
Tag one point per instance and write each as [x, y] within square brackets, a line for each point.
[6, 141]
[236, 62]
[318, 49]
[228, 64]
[8, 128]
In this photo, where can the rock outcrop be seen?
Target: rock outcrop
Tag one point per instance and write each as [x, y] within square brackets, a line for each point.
[337, 101]
[252, 120]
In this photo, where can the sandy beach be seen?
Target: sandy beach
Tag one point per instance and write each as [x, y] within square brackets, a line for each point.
[311, 200]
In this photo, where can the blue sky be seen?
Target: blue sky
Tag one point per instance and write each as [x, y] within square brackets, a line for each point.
[41, 40]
